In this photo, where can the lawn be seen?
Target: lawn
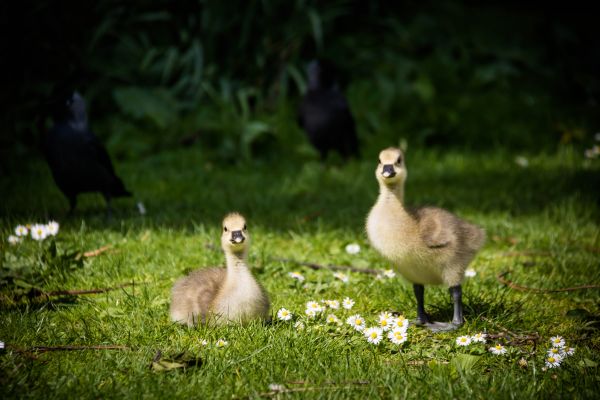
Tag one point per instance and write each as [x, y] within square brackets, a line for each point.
[542, 222]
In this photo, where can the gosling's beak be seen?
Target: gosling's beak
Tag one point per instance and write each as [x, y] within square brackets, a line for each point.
[237, 237]
[388, 171]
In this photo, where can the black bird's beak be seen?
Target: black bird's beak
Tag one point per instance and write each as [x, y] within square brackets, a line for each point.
[237, 237]
[388, 171]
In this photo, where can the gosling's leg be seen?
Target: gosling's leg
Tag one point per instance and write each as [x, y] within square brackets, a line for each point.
[422, 317]
[456, 293]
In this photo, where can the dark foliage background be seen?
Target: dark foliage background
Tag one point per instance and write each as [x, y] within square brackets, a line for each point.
[227, 75]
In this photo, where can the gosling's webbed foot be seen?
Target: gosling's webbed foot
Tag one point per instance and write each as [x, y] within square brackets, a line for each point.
[441, 326]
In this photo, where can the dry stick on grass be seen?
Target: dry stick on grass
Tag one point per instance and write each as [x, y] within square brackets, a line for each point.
[97, 252]
[514, 338]
[86, 291]
[512, 285]
[42, 349]
[331, 267]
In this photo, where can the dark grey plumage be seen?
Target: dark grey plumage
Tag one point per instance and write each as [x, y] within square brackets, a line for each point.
[325, 115]
[78, 161]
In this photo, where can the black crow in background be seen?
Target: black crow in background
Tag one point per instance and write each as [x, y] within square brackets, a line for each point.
[325, 115]
[79, 162]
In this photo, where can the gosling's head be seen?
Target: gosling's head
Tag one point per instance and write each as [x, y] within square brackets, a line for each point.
[235, 237]
[391, 170]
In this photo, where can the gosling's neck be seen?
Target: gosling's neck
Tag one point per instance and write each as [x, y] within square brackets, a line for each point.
[392, 193]
[236, 262]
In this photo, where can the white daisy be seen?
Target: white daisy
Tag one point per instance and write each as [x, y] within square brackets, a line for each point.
[347, 303]
[221, 343]
[569, 352]
[21, 230]
[284, 314]
[470, 273]
[373, 334]
[479, 337]
[557, 341]
[141, 208]
[555, 351]
[299, 325]
[341, 276]
[522, 161]
[333, 304]
[386, 321]
[332, 319]
[498, 349]
[1, 345]
[357, 322]
[353, 248]
[463, 340]
[276, 387]
[52, 228]
[296, 275]
[12, 239]
[400, 323]
[397, 336]
[204, 342]
[310, 313]
[388, 273]
[39, 232]
[553, 361]
[314, 306]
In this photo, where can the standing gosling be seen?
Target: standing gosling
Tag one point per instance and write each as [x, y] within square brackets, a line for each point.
[427, 245]
[228, 295]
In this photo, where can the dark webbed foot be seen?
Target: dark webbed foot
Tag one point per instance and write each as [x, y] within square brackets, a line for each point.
[423, 319]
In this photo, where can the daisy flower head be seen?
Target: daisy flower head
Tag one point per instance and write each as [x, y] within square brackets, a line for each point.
[332, 319]
[221, 343]
[21, 230]
[470, 273]
[373, 334]
[314, 306]
[401, 323]
[284, 314]
[498, 349]
[569, 351]
[397, 336]
[12, 239]
[557, 341]
[553, 361]
[347, 303]
[386, 321]
[296, 275]
[555, 351]
[333, 304]
[39, 232]
[52, 228]
[341, 276]
[353, 248]
[463, 340]
[204, 342]
[299, 325]
[357, 322]
[479, 337]
[388, 273]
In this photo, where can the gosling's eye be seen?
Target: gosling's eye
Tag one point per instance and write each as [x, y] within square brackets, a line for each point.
[244, 226]
[399, 160]
[224, 229]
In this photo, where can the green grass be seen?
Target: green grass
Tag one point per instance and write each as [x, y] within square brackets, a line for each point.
[305, 211]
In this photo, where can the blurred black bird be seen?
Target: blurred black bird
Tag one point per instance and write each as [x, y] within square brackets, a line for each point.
[78, 161]
[324, 113]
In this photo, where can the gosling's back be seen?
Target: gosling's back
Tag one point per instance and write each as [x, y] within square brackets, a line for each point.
[193, 295]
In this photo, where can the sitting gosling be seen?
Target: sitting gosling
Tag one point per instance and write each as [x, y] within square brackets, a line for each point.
[228, 295]
[427, 245]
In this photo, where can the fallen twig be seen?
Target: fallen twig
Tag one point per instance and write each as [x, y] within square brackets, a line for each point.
[77, 292]
[331, 267]
[512, 285]
[97, 252]
[512, 337]
[42, 349]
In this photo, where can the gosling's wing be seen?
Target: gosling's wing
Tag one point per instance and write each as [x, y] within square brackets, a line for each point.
[436, 227]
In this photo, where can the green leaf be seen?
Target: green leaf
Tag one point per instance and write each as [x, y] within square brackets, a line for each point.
[587, 363]
[464, 362]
